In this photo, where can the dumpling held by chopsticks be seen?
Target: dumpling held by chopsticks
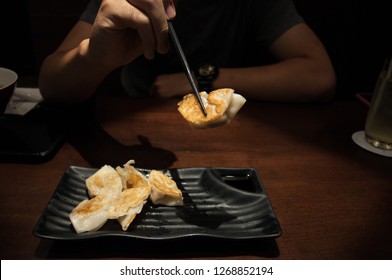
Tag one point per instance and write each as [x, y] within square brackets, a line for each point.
[221, 106]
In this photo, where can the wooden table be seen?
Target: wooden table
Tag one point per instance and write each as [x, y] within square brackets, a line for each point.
[333, 199]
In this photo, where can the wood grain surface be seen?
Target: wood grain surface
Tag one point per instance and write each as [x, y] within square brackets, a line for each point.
[332, 198]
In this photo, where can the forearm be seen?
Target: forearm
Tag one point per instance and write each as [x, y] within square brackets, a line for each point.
[292, 80]
[71, 76]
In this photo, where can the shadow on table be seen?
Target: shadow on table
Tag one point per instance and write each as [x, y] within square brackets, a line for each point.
[103, 149]
[118, 248]
[98, 147]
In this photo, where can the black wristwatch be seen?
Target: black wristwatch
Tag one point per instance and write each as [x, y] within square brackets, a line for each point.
[205, 75]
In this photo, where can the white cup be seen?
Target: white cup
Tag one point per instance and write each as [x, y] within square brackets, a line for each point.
[8, 79]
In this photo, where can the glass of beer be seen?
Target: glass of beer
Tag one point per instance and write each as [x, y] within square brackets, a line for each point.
[378, 127]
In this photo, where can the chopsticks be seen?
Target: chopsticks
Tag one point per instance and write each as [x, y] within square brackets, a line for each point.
[184, 63]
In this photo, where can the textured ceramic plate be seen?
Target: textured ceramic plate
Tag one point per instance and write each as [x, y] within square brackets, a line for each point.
[218, 202]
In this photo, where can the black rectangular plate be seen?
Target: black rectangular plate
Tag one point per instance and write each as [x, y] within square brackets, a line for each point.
[228, 203]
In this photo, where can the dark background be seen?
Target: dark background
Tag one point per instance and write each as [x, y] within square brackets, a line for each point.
[356, 33]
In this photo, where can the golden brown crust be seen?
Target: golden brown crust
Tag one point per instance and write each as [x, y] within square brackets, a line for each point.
[88, 207]
[164, 190]
[129, 198]
[215, 103]
[106, 181]
[131, 177]
[221, 98]
[164, 184]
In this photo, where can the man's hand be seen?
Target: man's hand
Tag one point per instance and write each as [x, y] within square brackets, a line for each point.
[125, 29]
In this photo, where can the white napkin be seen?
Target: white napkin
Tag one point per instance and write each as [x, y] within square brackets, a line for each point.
[23, 100]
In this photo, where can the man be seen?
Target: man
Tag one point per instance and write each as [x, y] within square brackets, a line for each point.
[229, 38]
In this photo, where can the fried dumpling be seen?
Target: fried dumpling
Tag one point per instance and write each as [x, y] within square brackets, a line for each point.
[131, 177]
[221, 106]
[121, 194]
[164, 190]
[127, 219]
[236, 103]
[128, 204]
[135, 194]
[129, 198]
[89, 214]
[106, 182]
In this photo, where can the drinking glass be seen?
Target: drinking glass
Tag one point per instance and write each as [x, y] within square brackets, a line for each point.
[378, 126]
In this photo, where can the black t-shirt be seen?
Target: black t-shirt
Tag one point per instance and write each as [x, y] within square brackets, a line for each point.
[228, 33]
